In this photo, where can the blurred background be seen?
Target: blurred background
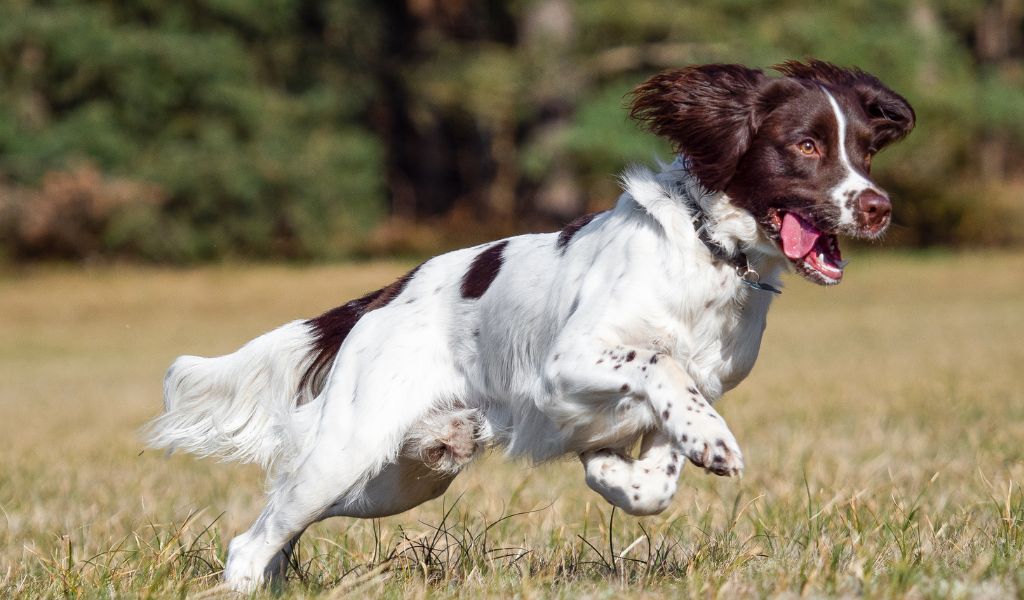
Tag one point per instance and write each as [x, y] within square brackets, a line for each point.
[184, 132]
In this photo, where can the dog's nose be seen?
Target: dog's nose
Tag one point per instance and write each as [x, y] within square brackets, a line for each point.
[873, 209]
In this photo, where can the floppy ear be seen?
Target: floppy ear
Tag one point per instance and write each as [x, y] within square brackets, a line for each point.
[891, 116]
[708, 112]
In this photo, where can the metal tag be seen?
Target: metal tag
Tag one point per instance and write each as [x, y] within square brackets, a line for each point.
[764, 287]
[752, 279]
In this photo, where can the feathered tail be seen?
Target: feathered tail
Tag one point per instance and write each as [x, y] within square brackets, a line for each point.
[240, 406]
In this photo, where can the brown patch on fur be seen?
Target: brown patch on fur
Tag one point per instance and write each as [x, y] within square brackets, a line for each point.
[332, 327]
[483, 270]
[570, 230]
[706, 112]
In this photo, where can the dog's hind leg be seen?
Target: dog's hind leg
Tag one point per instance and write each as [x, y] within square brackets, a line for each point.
[349, 458]
[322, 489]
[297, 500]
[348, 481]
[641, 486]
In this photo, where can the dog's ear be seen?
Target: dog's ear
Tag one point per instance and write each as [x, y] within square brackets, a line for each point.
[708, 112]
[890, 115]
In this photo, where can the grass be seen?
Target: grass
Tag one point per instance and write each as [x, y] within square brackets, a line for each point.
[882, 430]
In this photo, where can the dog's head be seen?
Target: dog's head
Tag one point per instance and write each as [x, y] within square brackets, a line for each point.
[795, 151]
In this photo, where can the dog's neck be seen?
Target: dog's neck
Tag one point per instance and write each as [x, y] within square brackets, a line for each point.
[727, 232]
[732, 229]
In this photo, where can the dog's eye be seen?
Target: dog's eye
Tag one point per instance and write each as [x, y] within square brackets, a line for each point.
[807, 148]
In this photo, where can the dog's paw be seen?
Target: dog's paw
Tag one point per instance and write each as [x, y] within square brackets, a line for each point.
[715, 451]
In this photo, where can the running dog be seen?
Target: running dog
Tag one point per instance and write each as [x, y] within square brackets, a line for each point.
[623, 328]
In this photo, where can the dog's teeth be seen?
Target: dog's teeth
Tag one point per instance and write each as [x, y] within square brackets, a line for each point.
[842, 263]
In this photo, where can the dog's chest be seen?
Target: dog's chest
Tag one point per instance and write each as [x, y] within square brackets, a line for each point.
[719, 335]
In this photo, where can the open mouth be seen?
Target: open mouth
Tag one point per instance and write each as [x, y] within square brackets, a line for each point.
[815, 253]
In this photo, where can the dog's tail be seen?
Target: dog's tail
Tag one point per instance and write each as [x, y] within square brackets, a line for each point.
[240, 406]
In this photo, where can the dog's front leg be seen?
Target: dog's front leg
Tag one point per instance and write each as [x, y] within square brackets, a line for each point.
[579, 375]
[644, 486]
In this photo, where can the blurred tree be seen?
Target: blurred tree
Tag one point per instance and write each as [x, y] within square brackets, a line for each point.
[246, 115]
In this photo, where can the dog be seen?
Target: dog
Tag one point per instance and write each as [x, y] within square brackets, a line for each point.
[623, 328]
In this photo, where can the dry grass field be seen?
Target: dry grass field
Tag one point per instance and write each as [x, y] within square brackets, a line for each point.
[883, 430]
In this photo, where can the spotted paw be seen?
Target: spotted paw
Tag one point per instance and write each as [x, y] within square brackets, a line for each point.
[719, 455]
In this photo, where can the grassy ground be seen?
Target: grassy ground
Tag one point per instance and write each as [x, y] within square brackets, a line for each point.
[882, 431]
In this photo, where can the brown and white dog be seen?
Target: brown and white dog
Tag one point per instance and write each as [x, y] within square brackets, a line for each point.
[626, 326]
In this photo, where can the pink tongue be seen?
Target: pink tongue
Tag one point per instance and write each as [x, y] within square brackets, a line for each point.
[798, 236]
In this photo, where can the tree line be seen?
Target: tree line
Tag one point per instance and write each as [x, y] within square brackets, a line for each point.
[305, 129]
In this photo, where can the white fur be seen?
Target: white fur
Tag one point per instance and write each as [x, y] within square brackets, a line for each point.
[845, 193]
[238, 407]
[632, 331]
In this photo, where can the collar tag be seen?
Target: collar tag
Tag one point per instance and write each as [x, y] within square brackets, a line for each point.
[764, 287]
[737, 259]
[751, 279]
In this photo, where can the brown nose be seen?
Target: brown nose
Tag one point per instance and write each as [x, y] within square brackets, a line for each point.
[874, 209]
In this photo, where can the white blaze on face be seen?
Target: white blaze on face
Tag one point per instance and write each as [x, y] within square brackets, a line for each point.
[853, 183]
